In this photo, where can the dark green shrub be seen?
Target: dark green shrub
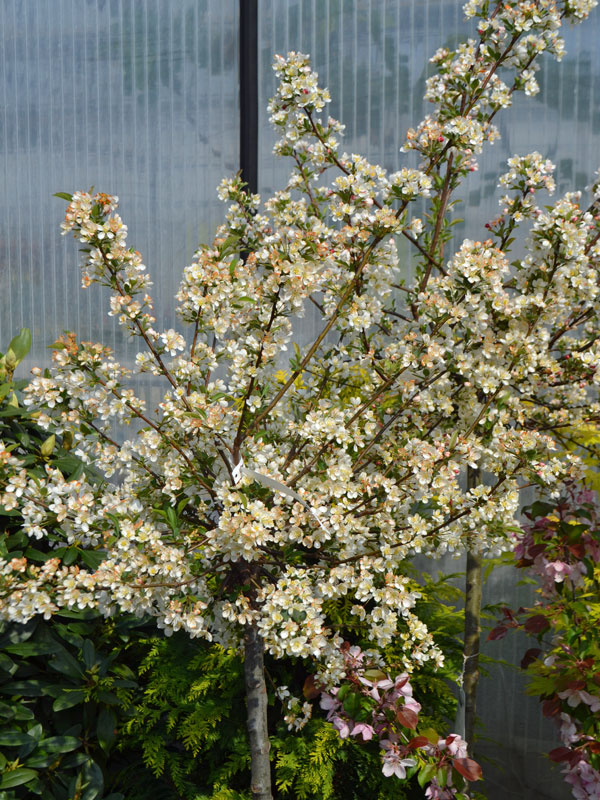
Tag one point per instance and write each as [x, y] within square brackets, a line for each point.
[64, 684]
[189, 726]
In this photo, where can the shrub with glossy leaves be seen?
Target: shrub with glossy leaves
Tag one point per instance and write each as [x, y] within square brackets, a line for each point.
[63, 684]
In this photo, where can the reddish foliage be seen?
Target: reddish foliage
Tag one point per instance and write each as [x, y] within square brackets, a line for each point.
[550, 708]
[560, 754]
[536, 624]
[499, 632]
[418, 741]
[530, 656]
[407, 717]
[309, 690]
[469, 769]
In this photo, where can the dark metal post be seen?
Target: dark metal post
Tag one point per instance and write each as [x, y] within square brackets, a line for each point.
[248, 56]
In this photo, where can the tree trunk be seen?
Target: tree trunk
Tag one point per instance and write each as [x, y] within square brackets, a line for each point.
[472, 635]
[472, 630]
[256, 699]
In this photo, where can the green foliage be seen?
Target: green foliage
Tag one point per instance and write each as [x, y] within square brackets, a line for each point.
[585, 441]
[61, 701]
[317, 763]
[189, 726]
[440, 608]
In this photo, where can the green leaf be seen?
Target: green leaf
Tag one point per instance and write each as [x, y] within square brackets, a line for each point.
[441, 777]
[23, 713]
[92, 558]
[77, 473]
[14, 738]
[17, 777]
[105, 729]
[21, 344]
[40, 759]
[540, 509]
[70, 698]
[67, 464]
[64, 662]
[35, 732]
[352, 705]
[5, 389]
[70, 556]
[93, 781]
[432, 735]
[7, 664]
[60, 744]
[74, 760]
[426, 775]
[89, 653]
[32, 688]
[63, 196]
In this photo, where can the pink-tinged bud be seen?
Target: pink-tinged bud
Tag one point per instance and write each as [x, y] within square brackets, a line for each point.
[440, 138]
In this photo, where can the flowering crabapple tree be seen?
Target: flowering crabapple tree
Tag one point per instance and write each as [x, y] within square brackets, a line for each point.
[258, 492]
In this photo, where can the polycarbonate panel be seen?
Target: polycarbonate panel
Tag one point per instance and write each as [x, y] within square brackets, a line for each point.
[373, 55]
[135, 97]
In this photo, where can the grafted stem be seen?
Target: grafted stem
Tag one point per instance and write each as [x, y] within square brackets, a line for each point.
[472, 628]
[256, 700]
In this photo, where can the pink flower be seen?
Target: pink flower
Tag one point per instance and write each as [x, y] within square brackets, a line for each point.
[568, 730]
[435, 792]
[376, 686]
[585, 781]
[393, 763]
[341, 726]
[328, 702]
[576, 696]
[365, 730]
[456, 746]
[413, 705]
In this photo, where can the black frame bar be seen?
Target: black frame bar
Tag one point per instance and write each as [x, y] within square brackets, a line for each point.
[248, 87]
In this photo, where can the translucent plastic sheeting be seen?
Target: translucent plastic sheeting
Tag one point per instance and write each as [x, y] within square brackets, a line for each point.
[373, 56]
[138, 99]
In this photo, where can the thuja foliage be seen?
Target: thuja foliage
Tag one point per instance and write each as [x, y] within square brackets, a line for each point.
[189, 725]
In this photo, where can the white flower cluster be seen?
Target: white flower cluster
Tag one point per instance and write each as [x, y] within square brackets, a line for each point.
[275, 482]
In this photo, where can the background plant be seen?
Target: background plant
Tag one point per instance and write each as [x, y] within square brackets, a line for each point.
[561, 548]
[189, 725]
[64, 683]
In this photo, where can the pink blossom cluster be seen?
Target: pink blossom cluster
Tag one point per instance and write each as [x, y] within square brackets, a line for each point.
[547, 555]
[561, 547]
[372, 706]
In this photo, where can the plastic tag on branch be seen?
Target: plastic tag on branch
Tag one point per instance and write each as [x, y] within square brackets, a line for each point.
[240, 470]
